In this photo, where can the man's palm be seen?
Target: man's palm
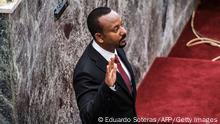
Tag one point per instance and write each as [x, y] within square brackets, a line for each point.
[110, 77]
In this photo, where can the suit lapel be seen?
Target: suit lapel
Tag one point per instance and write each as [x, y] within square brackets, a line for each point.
[121, 82]
[100, 61]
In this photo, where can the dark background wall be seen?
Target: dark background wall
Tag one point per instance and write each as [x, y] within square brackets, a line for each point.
[42, 52]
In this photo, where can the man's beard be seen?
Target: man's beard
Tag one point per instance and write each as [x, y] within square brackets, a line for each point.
[122, 42]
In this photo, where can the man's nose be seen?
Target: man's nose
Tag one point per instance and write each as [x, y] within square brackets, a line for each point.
[123, 31]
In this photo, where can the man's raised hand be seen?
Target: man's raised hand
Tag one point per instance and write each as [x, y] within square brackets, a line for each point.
[110, 77]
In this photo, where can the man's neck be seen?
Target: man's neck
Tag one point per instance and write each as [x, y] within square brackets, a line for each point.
[105, 53]
[105, 47]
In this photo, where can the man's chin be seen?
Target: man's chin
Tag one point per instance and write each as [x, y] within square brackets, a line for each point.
[122, 44]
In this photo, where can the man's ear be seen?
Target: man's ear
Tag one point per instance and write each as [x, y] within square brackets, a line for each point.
[98, 37]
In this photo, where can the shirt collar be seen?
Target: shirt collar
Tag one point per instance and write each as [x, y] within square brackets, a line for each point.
[106, 54]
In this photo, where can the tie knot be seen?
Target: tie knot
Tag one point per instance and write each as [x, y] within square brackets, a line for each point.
[117, 59]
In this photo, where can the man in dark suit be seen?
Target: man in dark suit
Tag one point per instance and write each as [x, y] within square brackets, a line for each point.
[103, 78]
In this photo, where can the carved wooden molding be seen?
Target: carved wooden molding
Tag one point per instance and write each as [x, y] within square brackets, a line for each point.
[9, 7]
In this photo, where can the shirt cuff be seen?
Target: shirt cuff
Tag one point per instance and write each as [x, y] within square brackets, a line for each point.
[113, 87]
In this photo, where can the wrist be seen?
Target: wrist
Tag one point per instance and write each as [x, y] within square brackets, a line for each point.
[108, 83]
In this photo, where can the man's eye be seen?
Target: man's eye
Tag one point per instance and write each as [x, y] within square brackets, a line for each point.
[116, 29]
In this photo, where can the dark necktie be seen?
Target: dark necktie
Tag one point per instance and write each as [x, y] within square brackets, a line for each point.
[123, 73]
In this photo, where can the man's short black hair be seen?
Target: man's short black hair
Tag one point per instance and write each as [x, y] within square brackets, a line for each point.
[92, 20]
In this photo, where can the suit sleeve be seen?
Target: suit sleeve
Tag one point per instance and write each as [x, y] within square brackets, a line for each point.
[92, 97]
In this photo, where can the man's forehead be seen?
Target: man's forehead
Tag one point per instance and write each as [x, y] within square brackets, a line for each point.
[112, 17]
[113, 13]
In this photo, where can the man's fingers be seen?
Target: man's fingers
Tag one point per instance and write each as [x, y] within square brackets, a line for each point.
[111, 69]
[112, 72]
[115, 67]
[107, 69]
[111, 66]
[111, 63]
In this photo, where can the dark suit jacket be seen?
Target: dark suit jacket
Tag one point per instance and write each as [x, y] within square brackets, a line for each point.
[94, 98]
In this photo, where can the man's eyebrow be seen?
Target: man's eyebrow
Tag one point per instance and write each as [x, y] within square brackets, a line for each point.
[121, 22]
[114, 26]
